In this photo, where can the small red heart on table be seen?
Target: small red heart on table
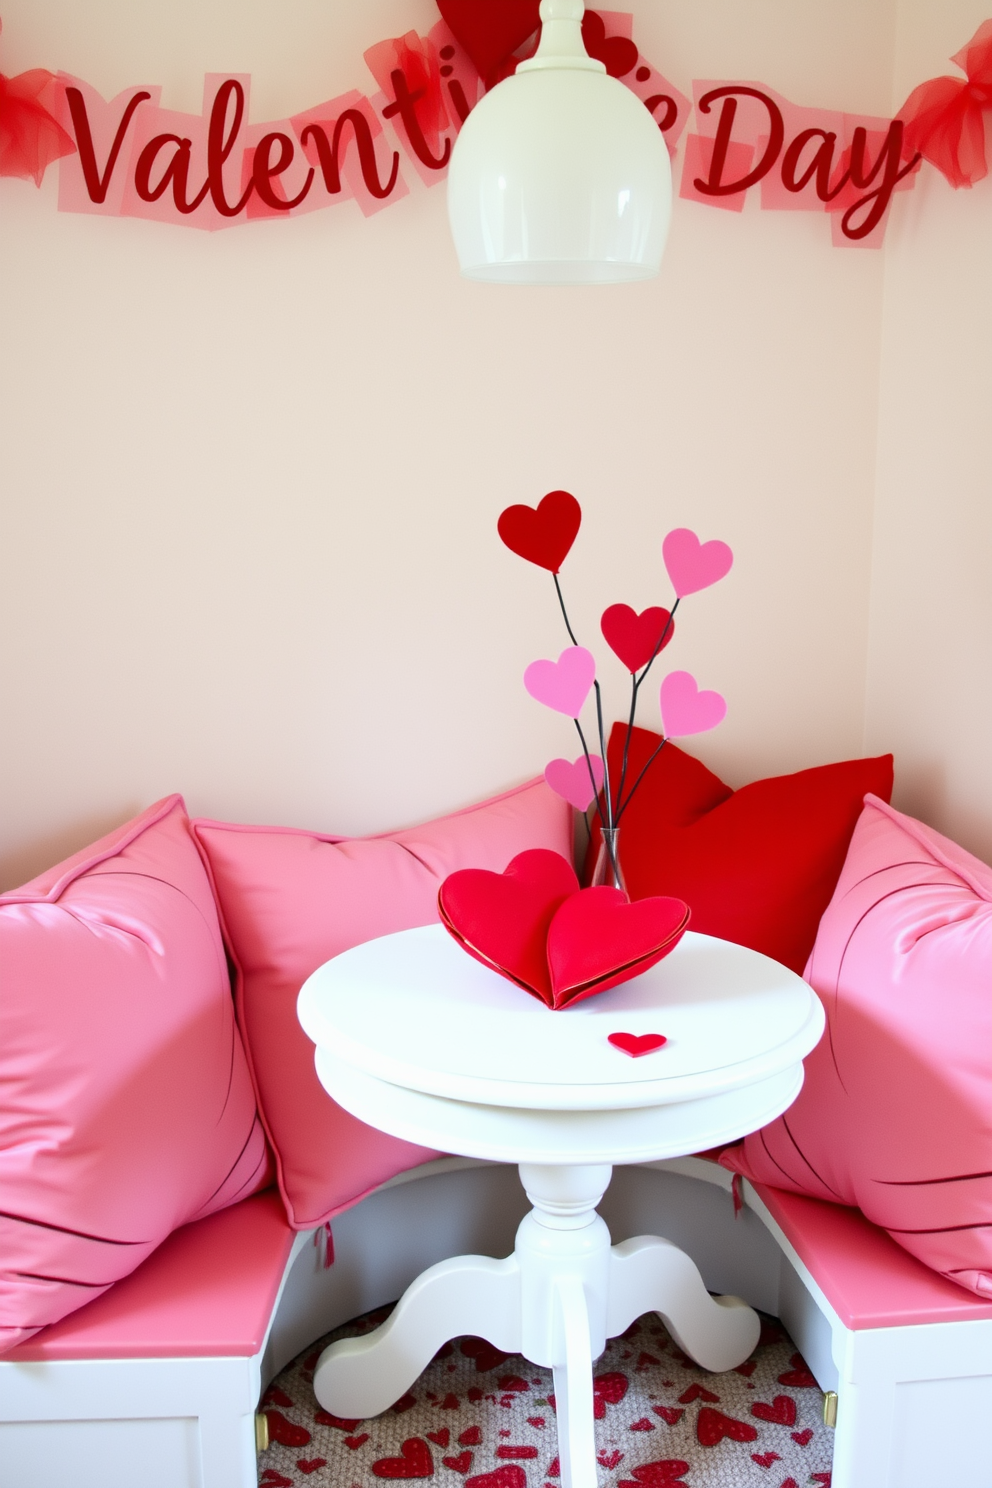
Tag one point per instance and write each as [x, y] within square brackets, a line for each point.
[286, 1433]
[803, 1438]
[310, 1464]
[354, 1442]
[712, 1426]
[502, 920]
[543, 535]
[440, 1438]
[798, 1377]
[781, 1412]
[508, 1476]
[415, 1462]
[636, 1044]
[634, 637]
[598, 939]
[488, 33]
[618, 54]
[459, 1464]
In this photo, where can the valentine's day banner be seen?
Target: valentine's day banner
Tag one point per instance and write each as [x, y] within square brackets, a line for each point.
[130, 157]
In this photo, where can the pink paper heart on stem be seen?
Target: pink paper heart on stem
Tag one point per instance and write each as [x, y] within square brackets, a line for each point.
[634, 637]
[563, 684]
[693, 565]
[686, 710]
[572, 781]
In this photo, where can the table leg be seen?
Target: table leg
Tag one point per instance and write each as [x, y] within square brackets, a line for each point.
[556, 1300]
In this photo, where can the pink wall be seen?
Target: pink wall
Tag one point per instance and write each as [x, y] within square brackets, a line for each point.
[250, 480]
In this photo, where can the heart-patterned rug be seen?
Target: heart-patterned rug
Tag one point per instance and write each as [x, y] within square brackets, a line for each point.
[477, 1418]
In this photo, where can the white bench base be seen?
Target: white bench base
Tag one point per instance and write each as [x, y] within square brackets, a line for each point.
[912, 1400]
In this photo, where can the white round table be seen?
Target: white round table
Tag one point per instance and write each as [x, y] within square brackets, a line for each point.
[418, 1039]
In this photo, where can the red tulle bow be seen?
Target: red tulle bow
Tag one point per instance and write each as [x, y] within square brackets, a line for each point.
[945, 118]
[30, 135]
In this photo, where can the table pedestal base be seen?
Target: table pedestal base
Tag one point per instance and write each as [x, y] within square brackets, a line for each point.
[556, 1300]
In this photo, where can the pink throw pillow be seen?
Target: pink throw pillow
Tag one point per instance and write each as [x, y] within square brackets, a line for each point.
[126, 1107]
[290, 900]
[895, 1115]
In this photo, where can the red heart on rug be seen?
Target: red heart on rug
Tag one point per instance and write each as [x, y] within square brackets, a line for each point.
[521, 1452]
[275, 1396]
[543, 535]
[642, 1425]
[790, 1483]
[441, 1438]
[666, 1473]
[406, 1402]
[668, 1413]
[415, 1461]
[324, 1418]
[272, 1479]
[609, 1460]
[354, 1442]
[636, 1044]
[781, 1412]
[634, 637]
[712, 1426]
[489, 33]
[513, 1382]
[286, 1433]
[765, 1459]
[470, 1438]
[798, 1377]
[802, 1438]
[502, 919]
[698, 1392]
[508, 1476]
[311, 1464]
[598, 939]
[536, 1421]
[459, 1464]
[618, 54]
[747, 1369]
[610, 1388]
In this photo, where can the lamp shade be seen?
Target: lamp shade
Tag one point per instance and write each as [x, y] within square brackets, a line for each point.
[560, 175]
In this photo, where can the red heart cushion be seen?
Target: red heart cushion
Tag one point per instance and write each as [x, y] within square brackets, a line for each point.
[598, 939]
[757, 866]
[502, 919]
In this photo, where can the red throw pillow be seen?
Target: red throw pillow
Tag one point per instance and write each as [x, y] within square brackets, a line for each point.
[757, 865]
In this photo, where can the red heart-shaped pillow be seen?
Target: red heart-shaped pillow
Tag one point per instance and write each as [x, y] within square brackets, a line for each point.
[598, 939]
[502, 919]
[536, 927]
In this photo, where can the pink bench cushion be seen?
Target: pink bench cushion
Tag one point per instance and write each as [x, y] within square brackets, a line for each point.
[290, 900]
[869, 1280]
[208, 1290]
[895, 1115]
[126, 1106]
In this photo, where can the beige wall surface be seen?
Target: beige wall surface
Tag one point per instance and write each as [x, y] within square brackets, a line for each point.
[250, 479]
[929, 693]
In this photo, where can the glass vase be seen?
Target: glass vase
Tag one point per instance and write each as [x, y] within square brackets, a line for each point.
[608, 872]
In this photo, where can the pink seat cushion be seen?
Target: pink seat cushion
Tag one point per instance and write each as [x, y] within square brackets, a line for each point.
[869, 1281]
[290, 900]
[895, 1115]
[126, 1107]
[208, 1290]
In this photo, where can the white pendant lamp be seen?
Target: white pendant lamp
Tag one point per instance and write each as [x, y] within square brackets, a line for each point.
[560, 175]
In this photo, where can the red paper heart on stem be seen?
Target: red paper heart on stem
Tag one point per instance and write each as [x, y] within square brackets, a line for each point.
[636, 1044]
[618, 54]
[634, 637]
[598, 939]
[490, 32]
[502, 919]
[543, 535]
